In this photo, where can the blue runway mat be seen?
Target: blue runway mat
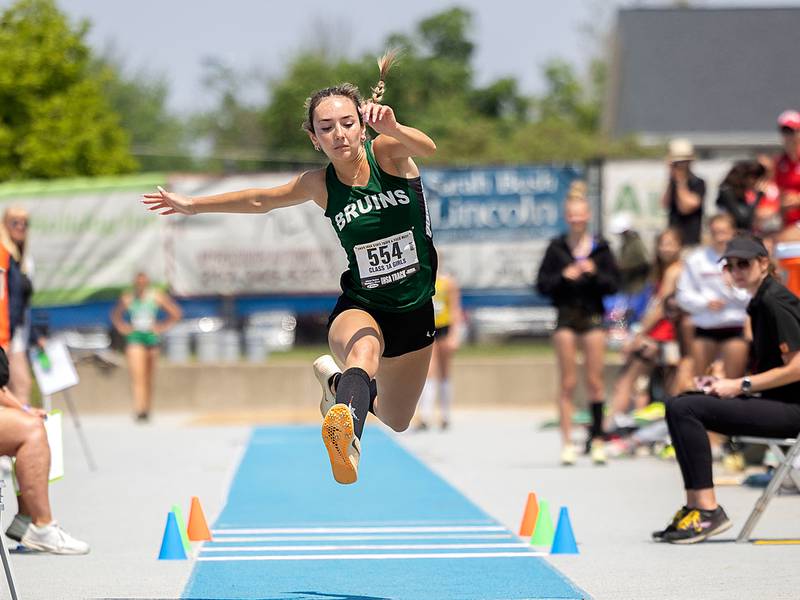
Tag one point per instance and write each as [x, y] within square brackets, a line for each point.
[290, 532]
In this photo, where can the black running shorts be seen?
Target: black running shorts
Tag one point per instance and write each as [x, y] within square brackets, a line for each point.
[403, 332]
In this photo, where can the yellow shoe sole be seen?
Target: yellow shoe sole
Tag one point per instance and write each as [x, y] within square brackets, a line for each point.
[337, 435]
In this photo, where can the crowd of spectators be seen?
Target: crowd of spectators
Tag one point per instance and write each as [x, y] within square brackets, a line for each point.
[713, 292]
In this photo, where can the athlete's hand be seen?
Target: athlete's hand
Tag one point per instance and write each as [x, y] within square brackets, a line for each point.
[379, 116]
[168, 203]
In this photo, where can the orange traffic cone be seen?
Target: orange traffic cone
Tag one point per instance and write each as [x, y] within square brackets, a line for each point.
[529, 516]
[197, 529]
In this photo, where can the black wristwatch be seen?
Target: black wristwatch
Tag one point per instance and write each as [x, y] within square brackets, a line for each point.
[747, 385]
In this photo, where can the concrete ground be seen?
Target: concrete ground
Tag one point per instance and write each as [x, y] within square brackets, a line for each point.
[494, 457]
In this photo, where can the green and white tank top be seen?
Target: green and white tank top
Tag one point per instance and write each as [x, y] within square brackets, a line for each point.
[143, 311]
[385, 229]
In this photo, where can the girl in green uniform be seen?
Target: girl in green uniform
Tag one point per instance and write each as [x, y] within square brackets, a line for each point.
[382, 327]
[136, 317]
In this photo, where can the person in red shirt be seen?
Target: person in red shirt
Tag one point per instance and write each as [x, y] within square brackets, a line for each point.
[787, 174]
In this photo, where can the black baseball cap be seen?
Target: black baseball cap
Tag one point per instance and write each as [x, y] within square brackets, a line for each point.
[745, 247]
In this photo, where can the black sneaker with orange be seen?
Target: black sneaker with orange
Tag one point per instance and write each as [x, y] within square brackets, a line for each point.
[698, 525]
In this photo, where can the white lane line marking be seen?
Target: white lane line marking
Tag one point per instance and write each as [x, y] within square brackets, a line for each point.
[458, 555]
[363, 547]
[293, 530]
[360, 538]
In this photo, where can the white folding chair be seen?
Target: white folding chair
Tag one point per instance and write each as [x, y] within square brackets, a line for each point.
[784, 469]
[4, 552]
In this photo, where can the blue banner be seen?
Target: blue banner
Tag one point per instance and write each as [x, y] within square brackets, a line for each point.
[497, 204]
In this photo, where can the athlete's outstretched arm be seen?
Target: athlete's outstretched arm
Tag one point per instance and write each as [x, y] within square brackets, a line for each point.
[302, 188]
[396, 140]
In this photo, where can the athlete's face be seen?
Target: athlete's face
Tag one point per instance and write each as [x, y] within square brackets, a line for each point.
[337, 129]
[141, 282]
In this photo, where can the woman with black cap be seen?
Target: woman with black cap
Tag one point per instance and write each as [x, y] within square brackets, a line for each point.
[766, 403]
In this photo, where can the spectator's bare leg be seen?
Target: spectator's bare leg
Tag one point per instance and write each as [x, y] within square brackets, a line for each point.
[704, 351]
[623, 388]
[734, 357]
[150, 369]
[565, 343]
[594, 352]
[19, 376]
[24, 436]
[137, 365]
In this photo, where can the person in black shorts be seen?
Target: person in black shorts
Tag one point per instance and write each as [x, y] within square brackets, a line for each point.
[382, 327]
[578, 269]
[716, 307]
[766, 403]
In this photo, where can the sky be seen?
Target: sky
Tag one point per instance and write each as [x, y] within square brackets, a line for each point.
[172, 38]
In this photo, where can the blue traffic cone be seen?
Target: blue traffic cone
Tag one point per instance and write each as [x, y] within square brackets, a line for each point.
[564, 539]
[172, 545]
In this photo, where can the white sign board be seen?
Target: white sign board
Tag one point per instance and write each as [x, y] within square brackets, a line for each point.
[636, 186]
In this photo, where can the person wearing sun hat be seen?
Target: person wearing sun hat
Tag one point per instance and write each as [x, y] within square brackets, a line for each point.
[787, 173]
[683, 198]
[765, 403]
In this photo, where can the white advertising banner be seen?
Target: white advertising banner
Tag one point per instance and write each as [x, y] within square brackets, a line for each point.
[88, 237]
[288, 251]
[636, 187]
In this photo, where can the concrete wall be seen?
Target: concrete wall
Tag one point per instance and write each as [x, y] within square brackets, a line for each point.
[291, 385]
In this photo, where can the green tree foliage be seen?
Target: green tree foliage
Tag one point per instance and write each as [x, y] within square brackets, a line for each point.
[232, 130]
[54, 118]
[433, 88]
[159, 139]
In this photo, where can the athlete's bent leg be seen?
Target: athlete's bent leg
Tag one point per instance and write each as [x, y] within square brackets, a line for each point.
[400, 381]
[356, 340]
[427, 401]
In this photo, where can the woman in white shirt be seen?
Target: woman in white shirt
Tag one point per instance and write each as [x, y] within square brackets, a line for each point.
[717, 308]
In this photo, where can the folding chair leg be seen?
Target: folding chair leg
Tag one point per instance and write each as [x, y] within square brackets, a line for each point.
[772, 488]
[4, 552]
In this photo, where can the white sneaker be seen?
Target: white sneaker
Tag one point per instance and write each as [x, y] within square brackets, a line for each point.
[51, 538]
[18, 527]
[325, 368]
[569, 455]
[598, 452]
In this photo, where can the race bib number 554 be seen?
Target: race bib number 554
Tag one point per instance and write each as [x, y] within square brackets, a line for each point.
[387, 261]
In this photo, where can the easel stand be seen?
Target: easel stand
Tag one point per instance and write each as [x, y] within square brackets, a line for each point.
[4, 551]
[73, 413]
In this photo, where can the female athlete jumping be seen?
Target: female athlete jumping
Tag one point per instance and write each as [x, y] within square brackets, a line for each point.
[382, 327]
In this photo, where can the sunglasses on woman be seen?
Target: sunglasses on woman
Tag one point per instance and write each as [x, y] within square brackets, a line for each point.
[741, 264]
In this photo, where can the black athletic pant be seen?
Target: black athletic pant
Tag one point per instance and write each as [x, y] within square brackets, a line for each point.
[690, 416]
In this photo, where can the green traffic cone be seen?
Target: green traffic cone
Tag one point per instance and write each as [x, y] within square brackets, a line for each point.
[182, 528]
[544, 531]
